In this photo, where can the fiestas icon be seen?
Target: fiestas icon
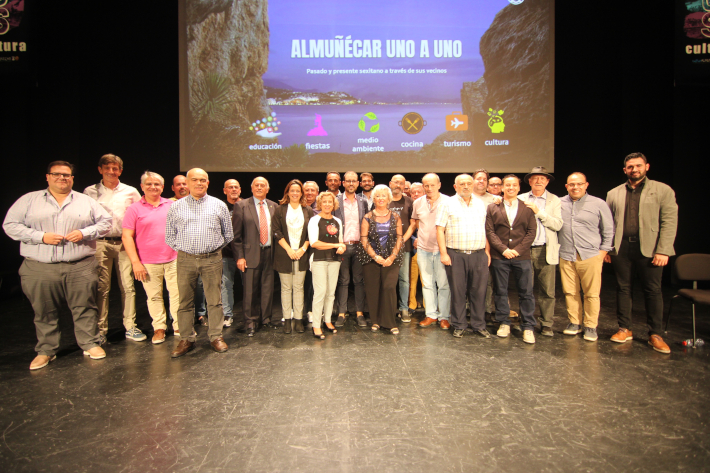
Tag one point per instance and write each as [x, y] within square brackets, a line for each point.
[456, 122]
[412, 123]
[495, 123]
[318, 130]
[373, 128]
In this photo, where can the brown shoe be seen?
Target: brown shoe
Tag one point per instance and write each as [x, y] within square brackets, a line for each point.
[41, 361]
[658, 344]
[158, 336]
[427, 322]
[219, 345]
[444, 324]
[183, 347]
[513, 314]
[622, 336]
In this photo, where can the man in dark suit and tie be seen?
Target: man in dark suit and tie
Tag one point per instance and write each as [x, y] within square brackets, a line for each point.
[253, 250]
[511, 229]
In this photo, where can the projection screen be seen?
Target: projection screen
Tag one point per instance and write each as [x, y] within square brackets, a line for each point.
[396, 86]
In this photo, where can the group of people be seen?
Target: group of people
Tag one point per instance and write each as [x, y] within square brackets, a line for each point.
[464, 249]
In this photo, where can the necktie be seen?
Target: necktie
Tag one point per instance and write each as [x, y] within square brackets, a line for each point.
[263, 226]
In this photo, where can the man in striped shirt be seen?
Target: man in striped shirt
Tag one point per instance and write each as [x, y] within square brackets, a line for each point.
[198, 227]
[464, 251]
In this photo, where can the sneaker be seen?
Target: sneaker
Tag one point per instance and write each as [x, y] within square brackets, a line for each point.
[406, 318]
[572, 329]
[590, 334]
[458, 333]
[547, 331]
[503, 330]
[622, 336]
[135, 334]
[228, 321]
[528, 336]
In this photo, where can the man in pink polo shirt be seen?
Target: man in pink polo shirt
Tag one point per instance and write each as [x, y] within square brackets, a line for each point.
[152, 259]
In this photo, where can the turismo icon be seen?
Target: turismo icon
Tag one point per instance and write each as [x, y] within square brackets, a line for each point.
[456, 122]
[318, 130]
[412, 123]
[495, 123]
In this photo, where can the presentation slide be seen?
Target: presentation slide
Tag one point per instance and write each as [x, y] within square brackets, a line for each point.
[410, 86]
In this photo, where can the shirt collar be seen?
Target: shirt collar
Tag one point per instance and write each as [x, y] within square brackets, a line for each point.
[118, 187]
[162, 201]
[639, 186]
[513, 204]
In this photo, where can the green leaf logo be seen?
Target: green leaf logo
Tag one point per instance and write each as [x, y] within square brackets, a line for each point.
[361, 125]
[371, 116]
[374, 128]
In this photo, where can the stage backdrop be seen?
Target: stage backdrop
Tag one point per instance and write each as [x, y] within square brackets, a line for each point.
[415, 85]
[692, 32]
[14, 35]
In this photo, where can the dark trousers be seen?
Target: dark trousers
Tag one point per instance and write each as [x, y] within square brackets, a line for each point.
[189, 268]
[381, 291]
[349, 262]
[259, 290]
[308, 293]
[544, 284]
[626, 263]
[468, 279]
[47, 286]
[523, 273]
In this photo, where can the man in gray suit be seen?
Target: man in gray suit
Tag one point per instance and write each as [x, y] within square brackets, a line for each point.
[645, 218]
[545, 251]
[253, 249]
[351, 211]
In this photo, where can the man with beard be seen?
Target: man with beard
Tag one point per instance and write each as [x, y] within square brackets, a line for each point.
[495, 186]
[367, 183]
[402, 206]
[645, 219]
[179, 187]
[332, 182]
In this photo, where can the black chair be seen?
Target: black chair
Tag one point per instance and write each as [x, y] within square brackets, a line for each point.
[692, 267]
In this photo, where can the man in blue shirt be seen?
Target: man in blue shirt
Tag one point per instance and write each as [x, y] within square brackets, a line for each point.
[586, 236]
[58, 228]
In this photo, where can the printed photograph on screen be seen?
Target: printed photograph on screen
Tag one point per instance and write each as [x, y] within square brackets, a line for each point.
[448, 86]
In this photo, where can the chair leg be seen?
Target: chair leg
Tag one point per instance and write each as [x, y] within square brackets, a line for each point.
[694, 337]
[670, 307]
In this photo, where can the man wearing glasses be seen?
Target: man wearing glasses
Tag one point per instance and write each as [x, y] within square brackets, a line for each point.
[586, 236]
[115, 197]
[495, 186]
[57, 228]
[367, 183]
[351, 211]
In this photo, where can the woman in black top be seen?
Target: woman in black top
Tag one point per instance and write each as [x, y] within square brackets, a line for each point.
[381, 257]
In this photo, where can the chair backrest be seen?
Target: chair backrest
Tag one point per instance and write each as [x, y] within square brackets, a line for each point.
[693, 267]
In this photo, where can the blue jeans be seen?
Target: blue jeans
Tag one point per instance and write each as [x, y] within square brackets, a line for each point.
[403, 284]
[229, 271]
[523, 272]
[435, 286]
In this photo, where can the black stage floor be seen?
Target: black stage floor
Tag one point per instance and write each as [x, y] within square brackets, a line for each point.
[358, 401]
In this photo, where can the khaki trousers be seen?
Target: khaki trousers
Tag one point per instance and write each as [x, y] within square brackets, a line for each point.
[109, 253]
[587, 275]
[413, 278]
[153, 286]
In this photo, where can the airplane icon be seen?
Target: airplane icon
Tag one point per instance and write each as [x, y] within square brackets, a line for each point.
[456, 122]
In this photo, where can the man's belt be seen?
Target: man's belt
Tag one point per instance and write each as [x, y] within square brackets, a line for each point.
[204, 255]
[633, 239]
[466, 252]
[352, 242]
[110, 238]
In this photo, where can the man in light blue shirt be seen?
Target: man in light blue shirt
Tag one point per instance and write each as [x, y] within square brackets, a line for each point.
[587, 234]
[57, 228]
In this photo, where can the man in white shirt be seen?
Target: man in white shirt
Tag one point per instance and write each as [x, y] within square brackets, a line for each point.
[115, 197]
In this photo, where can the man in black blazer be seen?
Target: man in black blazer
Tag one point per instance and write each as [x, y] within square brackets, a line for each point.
[351, 210]
[254, 251]
[511, 229]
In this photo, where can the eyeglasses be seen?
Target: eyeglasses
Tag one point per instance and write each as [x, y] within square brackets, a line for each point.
[350, 182]
[57, 175]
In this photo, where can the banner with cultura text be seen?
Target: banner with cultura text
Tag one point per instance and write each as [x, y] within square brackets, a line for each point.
[692, 39]
[14, 46]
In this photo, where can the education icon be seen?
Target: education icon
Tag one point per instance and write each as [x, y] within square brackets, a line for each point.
[267, 127]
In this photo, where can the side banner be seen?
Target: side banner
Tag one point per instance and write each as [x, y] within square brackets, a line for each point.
[692, 54]
[14, 46]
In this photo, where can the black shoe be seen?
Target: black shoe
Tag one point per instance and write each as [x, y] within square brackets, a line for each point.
[547, 331]
[341, 321]
[482, 333]
[490, 319]
[360, 320]
[458, 333]
[298, 326]
[287, 326]
[318, 336]
[250, 332]
[331, 330]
